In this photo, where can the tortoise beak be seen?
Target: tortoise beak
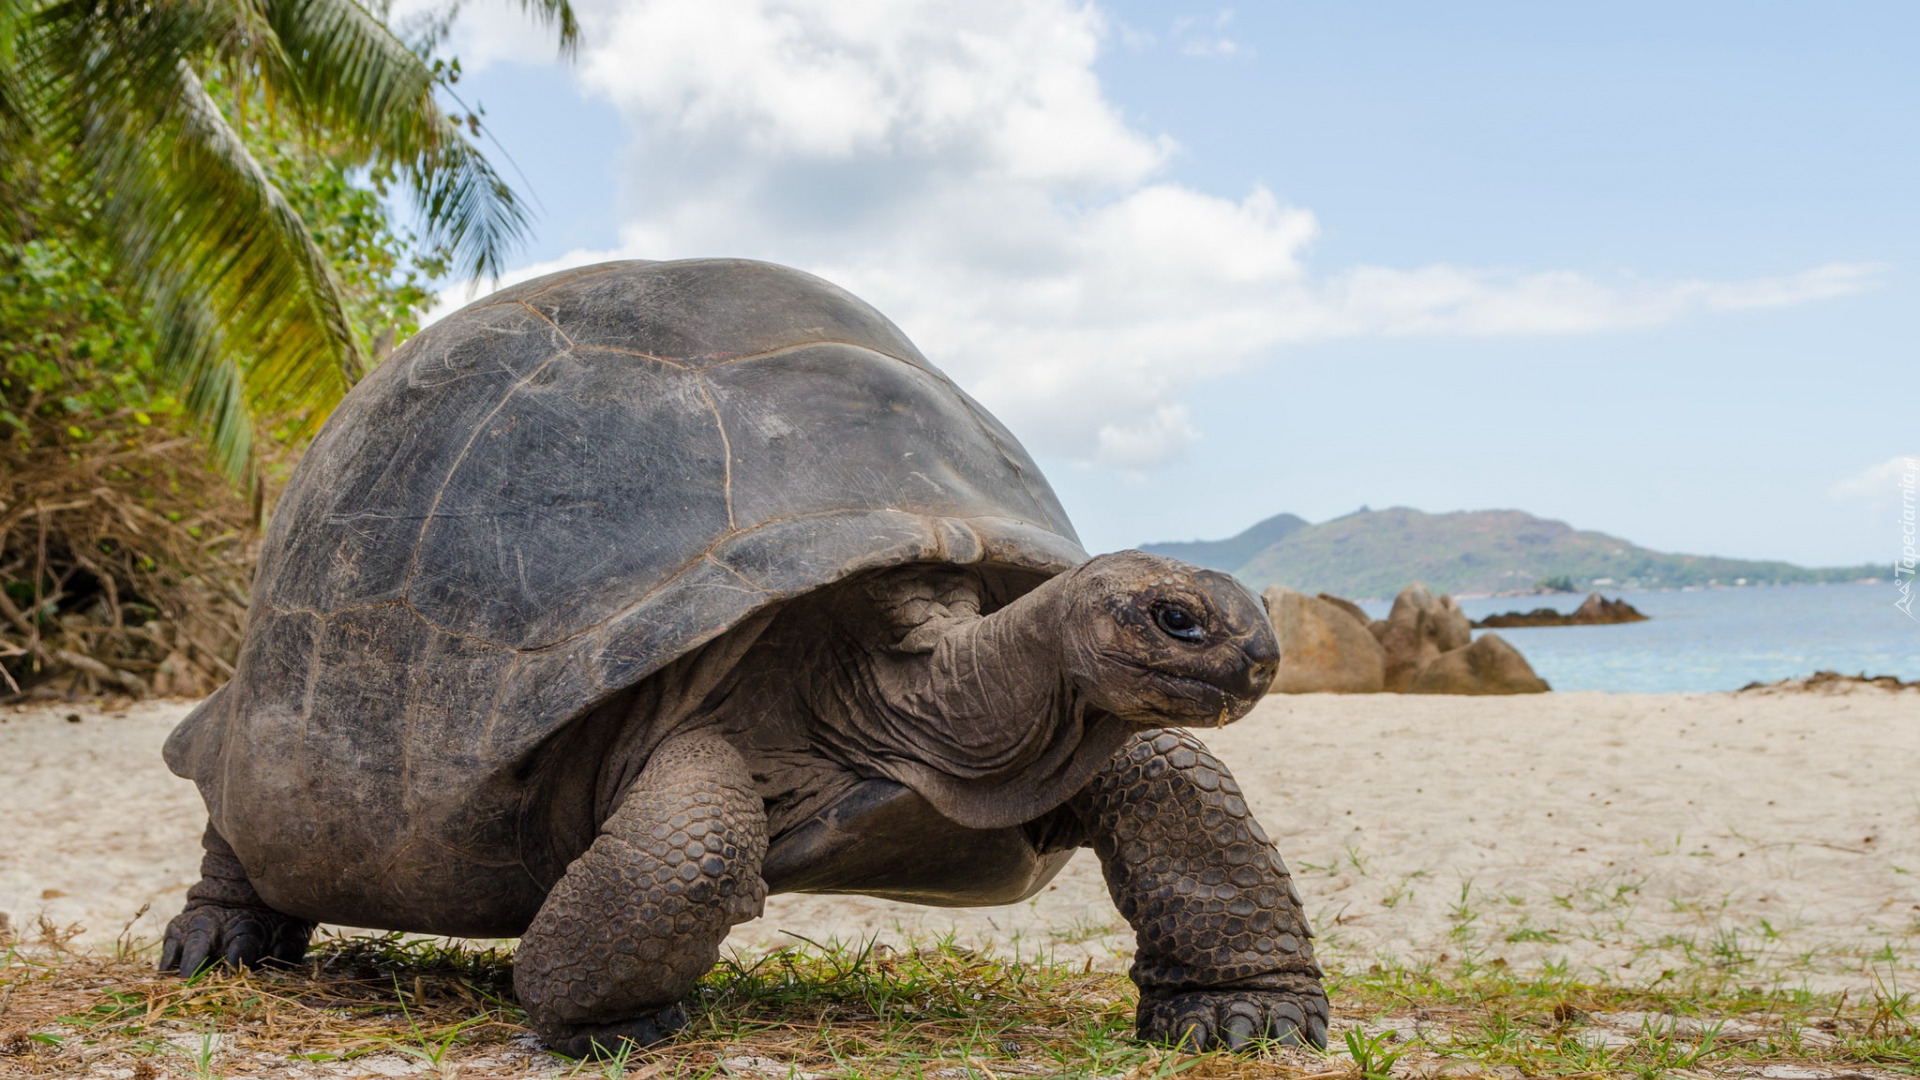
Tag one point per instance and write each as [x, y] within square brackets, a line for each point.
[1262, 653]
[1246, 681]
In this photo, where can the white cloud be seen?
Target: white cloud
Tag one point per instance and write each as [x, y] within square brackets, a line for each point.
[1149, 441]
[960, 166]
[1201, 40]
[1882, 482]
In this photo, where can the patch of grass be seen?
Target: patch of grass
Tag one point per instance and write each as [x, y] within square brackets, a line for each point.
[1084, 928]
[386, 1004]
[436, 1008]
[1371, 1060]
[1701, 1020]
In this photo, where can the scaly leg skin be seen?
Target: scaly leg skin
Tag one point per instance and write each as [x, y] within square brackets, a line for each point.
[226, 922]
[1223, 953]
[636, 921]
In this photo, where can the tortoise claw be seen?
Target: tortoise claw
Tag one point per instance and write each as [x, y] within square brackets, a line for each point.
[210, 935]
[602, 1041]
[1201, 1020]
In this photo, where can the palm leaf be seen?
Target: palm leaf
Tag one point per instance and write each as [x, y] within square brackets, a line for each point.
[559, 15]
[194, 223]
[15, 129]
[250, 318]
[212, 387]
[13, 15]
[353, 78]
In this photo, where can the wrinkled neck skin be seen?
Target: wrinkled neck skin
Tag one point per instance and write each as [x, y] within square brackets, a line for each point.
[977, 714]
[895, 676]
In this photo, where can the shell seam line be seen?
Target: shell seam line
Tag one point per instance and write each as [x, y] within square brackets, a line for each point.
[323, 616]
[744, 580]
[413, 557]
[726, 448]
[811, 345]
[542, 316]
[633, 352]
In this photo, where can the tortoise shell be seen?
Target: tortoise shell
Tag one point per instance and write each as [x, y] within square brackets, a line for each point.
[544, 498]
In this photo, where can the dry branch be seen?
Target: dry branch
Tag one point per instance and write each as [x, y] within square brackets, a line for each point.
[124, 564]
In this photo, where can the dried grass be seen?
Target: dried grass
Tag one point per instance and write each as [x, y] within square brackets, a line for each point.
[374, 1006]
[102, 592]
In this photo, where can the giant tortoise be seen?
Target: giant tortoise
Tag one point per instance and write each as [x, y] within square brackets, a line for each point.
[626, 596]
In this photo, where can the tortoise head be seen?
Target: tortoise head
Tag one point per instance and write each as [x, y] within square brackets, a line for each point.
[1161, 643]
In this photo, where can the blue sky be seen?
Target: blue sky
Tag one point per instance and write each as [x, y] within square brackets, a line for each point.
[1642, 267]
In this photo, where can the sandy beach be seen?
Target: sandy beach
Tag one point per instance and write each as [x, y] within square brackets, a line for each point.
[1774, 835]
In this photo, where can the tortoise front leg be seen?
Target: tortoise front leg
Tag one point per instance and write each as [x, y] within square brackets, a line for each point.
[636, 921]
[1223, 951]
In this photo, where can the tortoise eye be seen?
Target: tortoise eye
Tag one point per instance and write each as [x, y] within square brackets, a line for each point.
[1177, 622]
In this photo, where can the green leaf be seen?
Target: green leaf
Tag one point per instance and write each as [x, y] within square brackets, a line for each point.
[251, 320]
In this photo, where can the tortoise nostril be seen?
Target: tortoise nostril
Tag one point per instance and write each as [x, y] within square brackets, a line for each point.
[1262, 650]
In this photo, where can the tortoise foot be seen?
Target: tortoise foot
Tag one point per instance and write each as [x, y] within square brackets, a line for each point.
[209, 935]
[1202, 1020]
[601, 1041]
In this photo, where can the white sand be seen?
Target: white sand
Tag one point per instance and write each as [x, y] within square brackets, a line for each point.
[1775, 835]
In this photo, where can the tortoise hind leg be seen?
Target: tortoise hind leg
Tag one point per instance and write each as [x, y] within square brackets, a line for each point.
[636, 921]
[226, 922]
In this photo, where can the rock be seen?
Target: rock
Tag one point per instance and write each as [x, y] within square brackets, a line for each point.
[1595, 610]
[1347, 606]
[1323, 649]
[1487, 666]
[1417, 631]
[1455, 629]
[1832, 682]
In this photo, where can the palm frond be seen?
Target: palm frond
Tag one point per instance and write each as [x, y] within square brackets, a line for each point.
[13, 16]
[362, 84]
[559, 15]
[210, 383]
[465, 204]
[195, 224]
[251, 320]
[350, 76]
[15, 128]
[266, 268]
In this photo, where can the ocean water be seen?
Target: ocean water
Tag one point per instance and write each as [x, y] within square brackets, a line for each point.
[1714, 639]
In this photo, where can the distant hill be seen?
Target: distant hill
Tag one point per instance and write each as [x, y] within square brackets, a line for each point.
[1232, 553]
[1376, 553]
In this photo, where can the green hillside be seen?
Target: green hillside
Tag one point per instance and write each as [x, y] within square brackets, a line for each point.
[1232, 553]
[1376, 553]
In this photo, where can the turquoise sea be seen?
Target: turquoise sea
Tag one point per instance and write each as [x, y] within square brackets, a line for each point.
[1715, 639]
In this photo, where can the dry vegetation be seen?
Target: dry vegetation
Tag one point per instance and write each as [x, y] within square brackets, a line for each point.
[102, 593]
[386, 1006]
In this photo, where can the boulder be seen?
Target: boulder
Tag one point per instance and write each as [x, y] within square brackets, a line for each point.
[1323, 649]
[1596, 610]
[1347, 606]
[1417, 631]
[1487, 666]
